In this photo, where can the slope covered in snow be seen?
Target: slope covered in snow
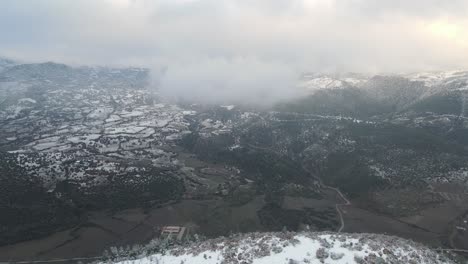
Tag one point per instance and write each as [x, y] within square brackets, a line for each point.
[306, 247]
[431, 79]
[312, 82]
[433, 82]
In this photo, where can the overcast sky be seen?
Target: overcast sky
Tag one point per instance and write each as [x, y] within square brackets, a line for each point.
[256, 45]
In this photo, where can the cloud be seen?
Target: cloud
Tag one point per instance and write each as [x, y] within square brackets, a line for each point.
[224, 49]
[416, 8]
[241, 80]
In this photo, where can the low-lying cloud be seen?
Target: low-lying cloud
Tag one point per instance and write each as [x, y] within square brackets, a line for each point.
[238, 80]
[239, 50]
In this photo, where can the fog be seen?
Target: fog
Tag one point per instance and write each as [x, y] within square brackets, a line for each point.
[239, 50]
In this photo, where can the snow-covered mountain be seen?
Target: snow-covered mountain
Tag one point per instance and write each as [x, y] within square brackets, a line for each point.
[295, 248]
[387, 94]
[432, 81]
[313, 82]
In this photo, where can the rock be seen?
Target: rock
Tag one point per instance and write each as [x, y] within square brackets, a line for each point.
[336, 256]
[322, 253]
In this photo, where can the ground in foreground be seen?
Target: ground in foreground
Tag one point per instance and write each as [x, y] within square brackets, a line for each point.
[305, 247]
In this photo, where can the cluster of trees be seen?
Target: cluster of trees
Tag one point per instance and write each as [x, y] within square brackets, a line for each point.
[155, 246]
[27, 210]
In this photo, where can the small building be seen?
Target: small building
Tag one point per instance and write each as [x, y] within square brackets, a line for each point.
[174, 232]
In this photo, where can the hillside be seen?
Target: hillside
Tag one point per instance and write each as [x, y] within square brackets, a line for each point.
[296, 248]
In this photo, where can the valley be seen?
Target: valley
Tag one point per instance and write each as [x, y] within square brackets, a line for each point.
[103, 160]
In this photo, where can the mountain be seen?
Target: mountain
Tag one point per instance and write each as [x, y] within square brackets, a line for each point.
[346, 101]
[441, 78]
[306, 247]
[447, 102]
[50, 74]
[366, 96]
[312, 82]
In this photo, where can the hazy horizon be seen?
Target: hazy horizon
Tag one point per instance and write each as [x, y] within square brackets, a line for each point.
[241, 49]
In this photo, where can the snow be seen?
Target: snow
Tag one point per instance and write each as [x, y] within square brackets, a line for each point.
[206, 123]
[431, 79]
[235, 146]
[188, 112]
[45, 145]
[159, 105]
[113, 118]
[206, 257]
[124, 130]
[14, 111]
[173, 137]
[228, 107]
[313, 248]
[155, 122]
[100, 113]
[127, 114]
[27, 100]
[379, 172]
[85, 138]
[319, 83]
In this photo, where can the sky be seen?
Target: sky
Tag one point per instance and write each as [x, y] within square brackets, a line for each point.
[230, 48]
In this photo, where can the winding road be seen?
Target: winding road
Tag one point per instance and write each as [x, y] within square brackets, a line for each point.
[338, 205]
[339, 193]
